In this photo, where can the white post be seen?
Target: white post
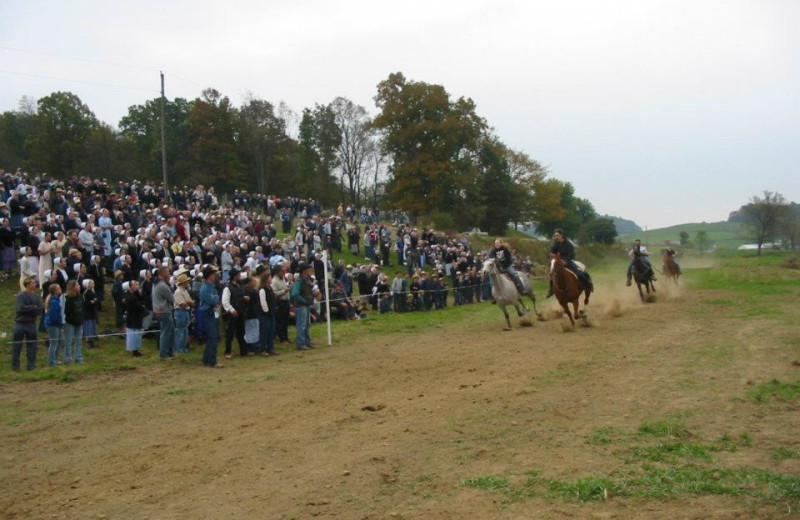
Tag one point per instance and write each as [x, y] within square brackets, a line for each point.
[327, 296]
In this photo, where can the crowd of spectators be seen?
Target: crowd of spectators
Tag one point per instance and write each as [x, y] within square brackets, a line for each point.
[181, 264]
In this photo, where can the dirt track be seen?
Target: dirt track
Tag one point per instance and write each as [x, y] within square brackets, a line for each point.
[292, 439]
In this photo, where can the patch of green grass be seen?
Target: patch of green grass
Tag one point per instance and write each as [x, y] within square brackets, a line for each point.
[651, 482]
[783, 453]
[729, 444]
[487, 483]
[585, 489]
[179, 391]
[600, 436]
[668, 451]
[745, 439]
[666, 428]
[780, 391]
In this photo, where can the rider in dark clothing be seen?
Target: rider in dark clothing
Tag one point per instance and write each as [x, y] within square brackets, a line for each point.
[503, 256]
[566, 250]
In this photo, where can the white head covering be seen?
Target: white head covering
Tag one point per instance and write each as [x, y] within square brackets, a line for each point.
[126, 286]
[142, 273]
[77, 267]
[86, 283]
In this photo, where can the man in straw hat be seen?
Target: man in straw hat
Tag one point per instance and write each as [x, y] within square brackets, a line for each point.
[183, 303]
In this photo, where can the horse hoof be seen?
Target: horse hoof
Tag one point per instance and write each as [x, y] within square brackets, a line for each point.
[506, 329]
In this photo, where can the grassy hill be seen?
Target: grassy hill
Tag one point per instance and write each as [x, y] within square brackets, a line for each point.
[725, 235]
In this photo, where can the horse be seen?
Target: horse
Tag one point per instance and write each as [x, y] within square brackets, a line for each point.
[642, 274]
[567, 288]
[670, 267]
[505, 292]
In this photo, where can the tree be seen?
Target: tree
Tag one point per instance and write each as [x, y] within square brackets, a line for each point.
[574, 213]
[357, 140]
[212, 129]
[141, 127]
[501, 198]
[62, 126]
[262, 135]
[316, 154]
[765, 216]
[600, 230]
[433, 143]
[702, 241]
[545, 205]
[684, 237]
[528, 175]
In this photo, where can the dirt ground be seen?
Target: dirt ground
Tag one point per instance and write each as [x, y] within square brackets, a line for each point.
[388, 426]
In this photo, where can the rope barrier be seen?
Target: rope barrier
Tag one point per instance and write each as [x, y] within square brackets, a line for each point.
[322, 302]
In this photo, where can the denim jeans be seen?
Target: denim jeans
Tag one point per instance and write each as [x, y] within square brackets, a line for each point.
[212, 337]
[166, 342]
[303, 325]
[24, 333]
[646, 262]
[513, 272]
[73, 335]
[56, 333]
[266, 326]
[181, 330]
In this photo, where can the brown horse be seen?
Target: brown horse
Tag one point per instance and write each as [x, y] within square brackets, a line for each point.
[670, 267]
[567, 288]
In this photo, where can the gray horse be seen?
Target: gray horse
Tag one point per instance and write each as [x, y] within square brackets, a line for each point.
[505, 292]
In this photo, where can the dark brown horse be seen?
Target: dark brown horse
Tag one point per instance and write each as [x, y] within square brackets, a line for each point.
[642, 274]
[567, 288]
[670, 267]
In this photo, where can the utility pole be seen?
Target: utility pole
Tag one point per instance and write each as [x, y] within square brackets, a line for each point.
[163, 144]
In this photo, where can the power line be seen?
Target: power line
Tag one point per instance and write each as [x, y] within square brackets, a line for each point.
[63, 56]
[42, 76]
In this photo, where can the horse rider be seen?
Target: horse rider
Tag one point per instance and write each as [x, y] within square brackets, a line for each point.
[503, 256]
[566, 251]
[642, 250]
[671, 253]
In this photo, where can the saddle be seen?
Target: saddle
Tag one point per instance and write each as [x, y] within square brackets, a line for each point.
[580, 265]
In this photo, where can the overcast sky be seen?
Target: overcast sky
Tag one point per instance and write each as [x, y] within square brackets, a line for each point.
[663, 112]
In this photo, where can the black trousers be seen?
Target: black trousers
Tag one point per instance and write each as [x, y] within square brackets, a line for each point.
[282, 320]
[24, 332]
[235, 327]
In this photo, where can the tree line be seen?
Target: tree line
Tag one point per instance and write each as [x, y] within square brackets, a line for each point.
[423, 153]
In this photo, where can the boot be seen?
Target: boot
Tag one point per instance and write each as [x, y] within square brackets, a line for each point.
[519, 286]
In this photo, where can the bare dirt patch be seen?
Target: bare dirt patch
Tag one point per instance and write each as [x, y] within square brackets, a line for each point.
[389, 426]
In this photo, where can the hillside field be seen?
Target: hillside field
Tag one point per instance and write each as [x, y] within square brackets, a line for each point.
[686, 407]
[724, 235]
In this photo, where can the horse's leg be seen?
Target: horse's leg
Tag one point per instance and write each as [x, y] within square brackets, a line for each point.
[565, 306]
[639, 286]
[533, 301]
[520, 312]
[505, 312]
